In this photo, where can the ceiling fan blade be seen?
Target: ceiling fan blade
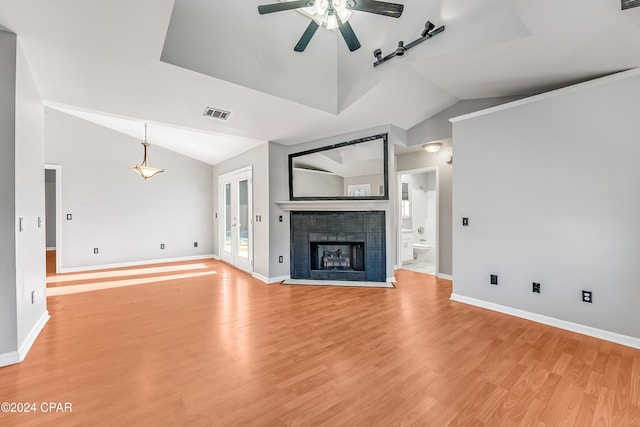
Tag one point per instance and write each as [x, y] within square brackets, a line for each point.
[348, 35]
[306, 37]
[279, 7]
[393, 10]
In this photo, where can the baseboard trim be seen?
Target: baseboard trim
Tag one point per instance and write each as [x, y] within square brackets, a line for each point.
[216, 257]
[9, 358]
[270, 280]
[51, 249]
[33, 334]
[551, 321]
[134, 263]
[391, 279]
[13, 357]
[445, 276]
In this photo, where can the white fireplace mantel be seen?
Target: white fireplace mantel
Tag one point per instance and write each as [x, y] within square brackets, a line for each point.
[333, 205]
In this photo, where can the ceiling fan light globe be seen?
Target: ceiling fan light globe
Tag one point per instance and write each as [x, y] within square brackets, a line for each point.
[331, 22]
[339, 5]
[344, 14]
[320, 7]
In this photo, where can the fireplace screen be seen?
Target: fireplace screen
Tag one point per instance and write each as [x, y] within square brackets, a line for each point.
[337, 256]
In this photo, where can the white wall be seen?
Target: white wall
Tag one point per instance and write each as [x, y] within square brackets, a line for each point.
[438, 126]
[258, 159]
[22, 249]
[30, 204]
[114, 209]
[8, 320]
[279, 191]
[551, 189]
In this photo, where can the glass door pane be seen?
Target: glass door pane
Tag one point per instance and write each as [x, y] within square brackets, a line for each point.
[243, 219]
[227, 218]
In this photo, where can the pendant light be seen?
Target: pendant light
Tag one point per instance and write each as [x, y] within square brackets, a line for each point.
[144, 170]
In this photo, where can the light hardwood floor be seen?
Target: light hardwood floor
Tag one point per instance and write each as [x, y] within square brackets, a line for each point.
[224, 349]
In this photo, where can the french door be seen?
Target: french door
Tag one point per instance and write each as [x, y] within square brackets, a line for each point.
[236, 219]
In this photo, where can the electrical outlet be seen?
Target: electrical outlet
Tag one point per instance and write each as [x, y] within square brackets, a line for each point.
[69, 217]
[195, 244]
[280, 218]
[33, 297]
[494, 279]
[536, 288]
[587, 296]
[95, 250]
[161, 245]
[465, 221]
[280, 259]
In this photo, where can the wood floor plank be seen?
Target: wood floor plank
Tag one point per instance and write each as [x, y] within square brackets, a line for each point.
[224, 349]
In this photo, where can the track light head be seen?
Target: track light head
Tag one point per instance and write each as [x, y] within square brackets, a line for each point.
[428, 31]
[427, 27]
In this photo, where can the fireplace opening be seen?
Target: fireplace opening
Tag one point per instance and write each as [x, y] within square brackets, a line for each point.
[337, 256]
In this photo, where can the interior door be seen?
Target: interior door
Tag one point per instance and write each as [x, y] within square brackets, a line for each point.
[236, 225]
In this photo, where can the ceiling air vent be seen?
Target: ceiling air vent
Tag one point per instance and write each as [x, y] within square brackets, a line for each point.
[216, 114]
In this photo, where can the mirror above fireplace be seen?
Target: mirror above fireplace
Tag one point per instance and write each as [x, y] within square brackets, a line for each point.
[351, 170]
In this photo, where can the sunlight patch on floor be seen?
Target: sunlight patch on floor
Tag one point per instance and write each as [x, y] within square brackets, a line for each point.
[121, 273]
[74, 289]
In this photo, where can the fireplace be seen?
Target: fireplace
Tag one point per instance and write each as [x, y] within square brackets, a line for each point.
[338, 246]
[339, 256]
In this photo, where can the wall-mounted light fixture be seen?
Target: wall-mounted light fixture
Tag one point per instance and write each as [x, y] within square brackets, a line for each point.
[432, 147]
[144, 170]
[428, 32]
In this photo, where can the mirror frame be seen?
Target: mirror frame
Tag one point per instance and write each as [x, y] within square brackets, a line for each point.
[383, 136]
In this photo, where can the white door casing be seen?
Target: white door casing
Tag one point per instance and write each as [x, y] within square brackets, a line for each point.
[236, 218]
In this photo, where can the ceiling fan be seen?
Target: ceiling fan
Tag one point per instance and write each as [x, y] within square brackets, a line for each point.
[333, 14]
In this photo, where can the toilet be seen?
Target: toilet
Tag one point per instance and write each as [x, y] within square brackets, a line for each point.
[421, 251]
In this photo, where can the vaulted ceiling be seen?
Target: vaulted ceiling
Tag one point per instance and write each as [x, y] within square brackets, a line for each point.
[120, 63]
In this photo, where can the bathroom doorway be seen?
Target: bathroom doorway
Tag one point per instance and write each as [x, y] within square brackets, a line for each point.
[418, 234]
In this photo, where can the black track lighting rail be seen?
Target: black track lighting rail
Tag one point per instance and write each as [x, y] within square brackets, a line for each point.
[428, 32]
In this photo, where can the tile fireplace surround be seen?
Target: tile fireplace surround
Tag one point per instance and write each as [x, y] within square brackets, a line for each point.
[338, 245]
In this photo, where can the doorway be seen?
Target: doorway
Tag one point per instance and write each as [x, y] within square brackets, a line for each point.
[418, 233]
[53, 217]
[236, 225]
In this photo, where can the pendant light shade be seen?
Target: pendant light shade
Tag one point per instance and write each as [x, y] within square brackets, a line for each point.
[144, 170]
